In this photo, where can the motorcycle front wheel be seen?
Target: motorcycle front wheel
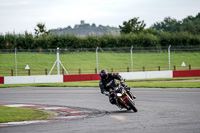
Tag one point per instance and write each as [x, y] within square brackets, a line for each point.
[131, 104]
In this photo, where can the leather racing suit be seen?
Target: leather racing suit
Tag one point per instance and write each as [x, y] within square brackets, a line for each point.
[111, 83]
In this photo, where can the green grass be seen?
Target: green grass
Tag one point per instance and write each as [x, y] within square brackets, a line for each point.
[188, 82]
[164, 84]
[147, 83]
[87, 62]
[13, 114]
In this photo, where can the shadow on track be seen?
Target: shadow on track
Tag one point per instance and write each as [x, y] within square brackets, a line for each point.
[121, 111]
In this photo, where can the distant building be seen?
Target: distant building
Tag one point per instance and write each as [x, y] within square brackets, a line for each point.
[84, 29]
[82, 22]
[81, 25]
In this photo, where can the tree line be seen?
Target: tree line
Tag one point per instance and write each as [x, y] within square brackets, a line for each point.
[27, 41]
[133, 33]
[189, 24]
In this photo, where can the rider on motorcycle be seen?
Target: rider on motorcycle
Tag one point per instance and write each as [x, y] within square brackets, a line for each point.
[108, 81]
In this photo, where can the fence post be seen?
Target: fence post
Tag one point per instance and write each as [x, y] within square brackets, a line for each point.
[97, 59]
[174, 68]
[11, 72]
[158, 68]
[189, 67]
[29, 72]
[45, 71]
[58, 62]
[63, 72]
[143, 68]
[127, 69]
[16, 60]
[79, 71]
[95, 70]
[169, 55]
[111, 69]
[132, 58]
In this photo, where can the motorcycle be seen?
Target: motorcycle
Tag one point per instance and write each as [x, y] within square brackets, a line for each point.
[123, 98]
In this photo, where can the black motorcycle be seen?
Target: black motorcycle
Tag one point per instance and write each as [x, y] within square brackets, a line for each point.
[123, 98]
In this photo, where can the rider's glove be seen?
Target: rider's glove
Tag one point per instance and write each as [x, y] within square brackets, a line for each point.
[106, 93]
[122, 81]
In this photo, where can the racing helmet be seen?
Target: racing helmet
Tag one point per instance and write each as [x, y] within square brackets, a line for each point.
[103, 74]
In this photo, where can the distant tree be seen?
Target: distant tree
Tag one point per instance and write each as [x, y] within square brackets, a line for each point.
[41, 29]
[93, 25]
[28, 41]
[169, 25]
[69, 27]
[191, 24]
[2, 41]
[132, 26]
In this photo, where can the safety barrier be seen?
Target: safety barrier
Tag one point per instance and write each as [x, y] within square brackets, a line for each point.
[147, 74]
[188, 73]
[33, 79]
[1, 80]
[82, 77]
[90, 77]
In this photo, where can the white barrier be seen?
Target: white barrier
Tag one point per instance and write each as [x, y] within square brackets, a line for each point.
[147, 74]
[59, 78]
[33, 79]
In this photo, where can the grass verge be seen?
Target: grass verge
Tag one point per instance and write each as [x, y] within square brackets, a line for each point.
[87, 62]
[164, 84]
[13, 114]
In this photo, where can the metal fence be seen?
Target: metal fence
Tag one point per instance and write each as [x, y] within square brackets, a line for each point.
[91, 60]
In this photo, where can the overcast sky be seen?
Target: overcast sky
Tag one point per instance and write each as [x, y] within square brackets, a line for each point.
[23, 15]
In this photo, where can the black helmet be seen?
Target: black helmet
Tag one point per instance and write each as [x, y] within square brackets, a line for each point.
[103, 74]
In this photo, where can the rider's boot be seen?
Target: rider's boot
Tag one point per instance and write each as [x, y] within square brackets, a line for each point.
[130, 94]
[120, 107]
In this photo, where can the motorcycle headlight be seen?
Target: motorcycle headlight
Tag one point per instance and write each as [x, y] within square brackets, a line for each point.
[119, 94]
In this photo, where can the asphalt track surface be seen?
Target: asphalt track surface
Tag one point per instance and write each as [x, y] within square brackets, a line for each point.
[159, 110]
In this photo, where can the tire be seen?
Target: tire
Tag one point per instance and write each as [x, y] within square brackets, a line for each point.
[131, 104]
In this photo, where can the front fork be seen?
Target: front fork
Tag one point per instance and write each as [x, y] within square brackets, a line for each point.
[122, 100]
